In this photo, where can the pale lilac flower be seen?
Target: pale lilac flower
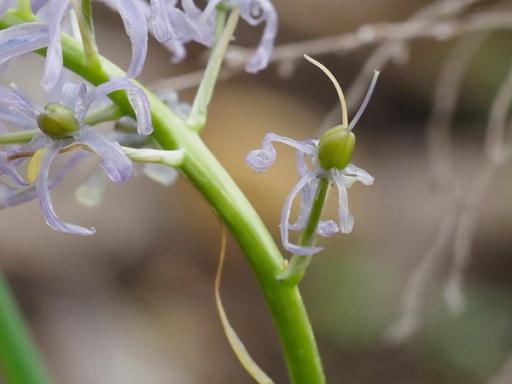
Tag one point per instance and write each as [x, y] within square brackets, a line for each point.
[311, 169]
[77, 99]
[261, 159]
[27, 37]
[175, 27]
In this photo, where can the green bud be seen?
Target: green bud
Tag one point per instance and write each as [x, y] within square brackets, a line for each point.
[58, 121]
[336, 148]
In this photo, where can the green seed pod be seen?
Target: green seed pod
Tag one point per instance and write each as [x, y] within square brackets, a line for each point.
[58, 121]
[336, 148]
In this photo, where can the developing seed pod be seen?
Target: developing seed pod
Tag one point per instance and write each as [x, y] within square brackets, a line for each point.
[58, 121]
[336, 148]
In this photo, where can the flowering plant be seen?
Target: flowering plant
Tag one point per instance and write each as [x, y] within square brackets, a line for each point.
[63, 31]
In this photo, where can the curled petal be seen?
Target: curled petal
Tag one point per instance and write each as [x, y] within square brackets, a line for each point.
[359, 174]
[256, 12]
[113, 161]
[327, 228]
[137, 97]
[285, 218]
[22, 38]
[307, 194]
[17, 103]
[160, 21]
[136, 27]
[54, 64]
[346, 220]
[11, 197]
[43, 193]
[261, 159]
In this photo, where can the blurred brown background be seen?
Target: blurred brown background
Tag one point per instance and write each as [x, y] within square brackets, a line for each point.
[134, 303]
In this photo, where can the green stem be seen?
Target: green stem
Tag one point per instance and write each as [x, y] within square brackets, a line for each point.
[18, 137]
[296, 269]
[204, 171]
[110, 112]
[197, 118]
[83, 10]
[19, 357]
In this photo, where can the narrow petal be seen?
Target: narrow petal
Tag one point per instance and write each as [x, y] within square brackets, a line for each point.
[17, 103]
[346, 220]
[137, 97]
[21, 39]
[256, 12]
[136, 27]
[54, 64]
[307, 194]
[327, 228]
[43, 193]
[11, 197]
[113, 161]
[160, 21]
[285, 218]
[261, 159]
[359, 174]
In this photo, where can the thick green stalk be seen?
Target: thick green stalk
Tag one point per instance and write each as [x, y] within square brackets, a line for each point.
[204, 171]
[19, 357]
[296, 269]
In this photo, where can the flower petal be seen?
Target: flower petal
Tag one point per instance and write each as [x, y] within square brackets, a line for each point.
[137, 97]
[8, 170]
[346, 220]
[327, 228]
[136, 27]
[17, 103]
[285, 218]
[113, 161]
[161, 22]
[22, 38]
[43, 193]
[256, 12]
[54, 63]
[359, 174]
[307, 194]
[11, 197]
[260, 160]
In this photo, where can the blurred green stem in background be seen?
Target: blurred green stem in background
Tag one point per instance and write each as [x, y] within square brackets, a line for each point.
[204, 171]
[19, 357]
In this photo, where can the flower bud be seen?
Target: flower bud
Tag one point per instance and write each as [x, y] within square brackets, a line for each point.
[336, 148]
[58, 121]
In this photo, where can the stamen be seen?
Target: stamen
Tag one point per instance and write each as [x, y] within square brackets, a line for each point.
[343, 102]
[366, 100]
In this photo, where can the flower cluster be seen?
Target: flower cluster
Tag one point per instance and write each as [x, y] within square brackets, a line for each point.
[330, 158]
[175, 27]
[63, 124]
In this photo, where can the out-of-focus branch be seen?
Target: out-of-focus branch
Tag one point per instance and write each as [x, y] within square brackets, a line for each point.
[435, 21]
[497, 153]
[444, 103]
